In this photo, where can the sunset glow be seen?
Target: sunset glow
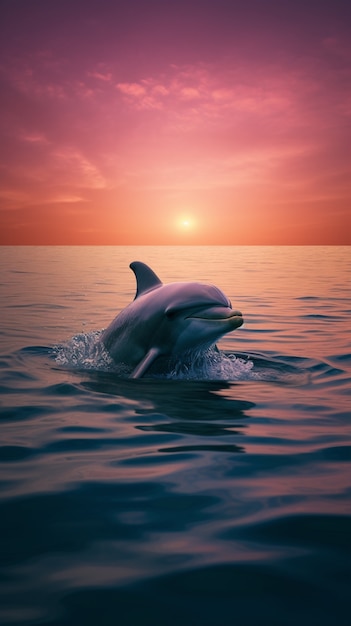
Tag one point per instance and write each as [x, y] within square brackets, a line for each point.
[186, 224]
[168, 123]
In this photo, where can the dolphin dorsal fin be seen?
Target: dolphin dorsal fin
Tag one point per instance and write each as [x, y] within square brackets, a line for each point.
[145, 277]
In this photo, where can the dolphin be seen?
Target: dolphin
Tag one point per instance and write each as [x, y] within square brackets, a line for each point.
[167, 321]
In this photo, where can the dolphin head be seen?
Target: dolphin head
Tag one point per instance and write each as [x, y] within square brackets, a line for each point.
[167, 320]
[199, 314]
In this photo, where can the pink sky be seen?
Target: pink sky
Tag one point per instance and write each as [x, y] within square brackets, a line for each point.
[198, 122]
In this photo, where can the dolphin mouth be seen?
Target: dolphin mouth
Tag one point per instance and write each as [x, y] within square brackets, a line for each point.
[217, 314]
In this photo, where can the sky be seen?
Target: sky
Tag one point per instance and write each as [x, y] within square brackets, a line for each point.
[154, 122]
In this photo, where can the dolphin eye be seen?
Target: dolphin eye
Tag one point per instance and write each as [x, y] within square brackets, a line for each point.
[171, 314]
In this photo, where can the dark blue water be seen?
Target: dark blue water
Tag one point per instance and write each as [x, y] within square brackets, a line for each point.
[220, 494]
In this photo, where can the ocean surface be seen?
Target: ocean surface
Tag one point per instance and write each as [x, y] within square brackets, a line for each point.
[219, 493]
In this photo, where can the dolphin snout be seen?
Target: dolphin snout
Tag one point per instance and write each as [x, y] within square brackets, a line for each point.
[218, 313]
[236, 319]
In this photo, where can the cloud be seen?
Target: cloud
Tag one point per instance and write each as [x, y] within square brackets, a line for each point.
[204, 92]
[235, 126]
[35, 138]
[77, 168]
[105, 77]
[160, 90]
[190, 93]
[131, 89]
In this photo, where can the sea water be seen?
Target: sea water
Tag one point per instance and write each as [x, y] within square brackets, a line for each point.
[219, 493]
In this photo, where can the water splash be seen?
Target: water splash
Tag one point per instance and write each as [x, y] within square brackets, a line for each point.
[212, 364]
[85, 351]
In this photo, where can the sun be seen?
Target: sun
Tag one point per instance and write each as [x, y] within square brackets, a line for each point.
[185, 223]
[185, 227]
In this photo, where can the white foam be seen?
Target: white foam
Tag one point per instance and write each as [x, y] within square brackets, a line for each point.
[212, 365]
[85, 352]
